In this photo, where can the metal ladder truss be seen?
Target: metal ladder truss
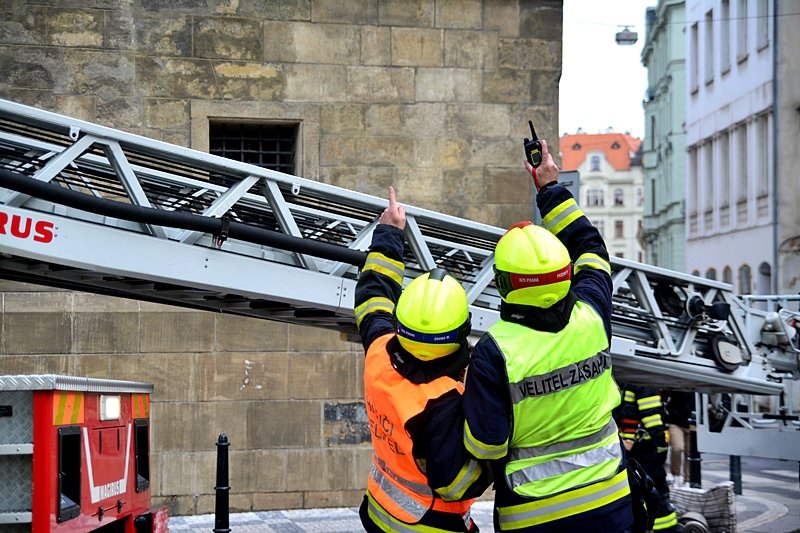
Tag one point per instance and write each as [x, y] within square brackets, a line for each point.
[750, 425]
[94, 209]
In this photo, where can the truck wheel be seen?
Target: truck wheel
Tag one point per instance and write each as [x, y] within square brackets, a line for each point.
[693, 523]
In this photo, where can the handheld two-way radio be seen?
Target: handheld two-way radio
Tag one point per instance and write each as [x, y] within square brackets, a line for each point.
[533, 148]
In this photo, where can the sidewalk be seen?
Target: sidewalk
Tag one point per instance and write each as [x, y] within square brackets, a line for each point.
[769, 503]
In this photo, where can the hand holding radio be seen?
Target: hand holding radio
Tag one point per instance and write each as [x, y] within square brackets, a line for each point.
[533, 148]
[547, 172]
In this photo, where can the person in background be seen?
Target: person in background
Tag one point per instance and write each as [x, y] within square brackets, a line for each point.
[539, 392]
[644, 435]
[421, 478]
[679, 406]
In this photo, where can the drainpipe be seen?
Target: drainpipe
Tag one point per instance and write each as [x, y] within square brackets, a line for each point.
[776, 220]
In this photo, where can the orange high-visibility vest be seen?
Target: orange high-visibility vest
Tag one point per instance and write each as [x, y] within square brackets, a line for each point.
[395, 480]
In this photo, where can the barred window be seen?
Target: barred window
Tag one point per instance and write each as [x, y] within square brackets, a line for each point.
[271, 146]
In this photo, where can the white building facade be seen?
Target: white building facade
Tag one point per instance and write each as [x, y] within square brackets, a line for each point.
[611, 187]
[731, 185]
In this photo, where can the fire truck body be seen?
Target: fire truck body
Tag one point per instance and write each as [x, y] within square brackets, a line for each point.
[75, 455]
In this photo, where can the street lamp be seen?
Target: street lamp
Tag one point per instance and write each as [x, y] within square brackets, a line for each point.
[627, 36]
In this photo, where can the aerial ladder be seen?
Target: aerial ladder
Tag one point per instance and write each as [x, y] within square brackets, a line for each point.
[94, 209]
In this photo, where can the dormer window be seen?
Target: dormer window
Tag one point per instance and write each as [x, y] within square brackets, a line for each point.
[594, 163]
[576, 146]
[615, 146]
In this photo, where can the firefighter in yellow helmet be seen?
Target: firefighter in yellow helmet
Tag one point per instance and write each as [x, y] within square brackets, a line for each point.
[421, 478]
[539, 393]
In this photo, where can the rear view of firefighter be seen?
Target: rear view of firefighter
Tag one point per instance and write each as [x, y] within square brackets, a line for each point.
[421, 478]
[539, 393]
[641, 426]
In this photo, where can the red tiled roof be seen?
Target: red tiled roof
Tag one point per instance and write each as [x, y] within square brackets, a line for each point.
[620, 158]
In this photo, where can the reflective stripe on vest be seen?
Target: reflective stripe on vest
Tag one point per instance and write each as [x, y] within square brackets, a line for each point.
[380, 466]
[399, 497]
[608, 454]
[388, 523]
[563, 505]
[395, 481]
[539, 451]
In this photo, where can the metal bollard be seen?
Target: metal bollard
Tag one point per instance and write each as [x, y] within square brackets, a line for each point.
[694, 456]
[736, 473]
[222, 507]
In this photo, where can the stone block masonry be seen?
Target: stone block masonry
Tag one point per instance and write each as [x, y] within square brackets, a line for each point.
[431, 96]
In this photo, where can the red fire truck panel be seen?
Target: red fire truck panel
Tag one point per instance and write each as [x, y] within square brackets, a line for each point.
[79, 451]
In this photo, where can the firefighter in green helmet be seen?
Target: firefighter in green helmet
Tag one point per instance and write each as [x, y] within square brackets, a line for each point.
[539, 393]
[421, 478]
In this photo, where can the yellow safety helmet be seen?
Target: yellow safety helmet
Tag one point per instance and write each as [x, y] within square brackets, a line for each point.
[531, 266]
[432, 315]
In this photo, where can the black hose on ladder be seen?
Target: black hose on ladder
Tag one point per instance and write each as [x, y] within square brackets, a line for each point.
[175, 219]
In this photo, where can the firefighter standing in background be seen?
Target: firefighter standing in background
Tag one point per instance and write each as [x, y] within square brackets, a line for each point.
[641, 426]
[539, 393]
[421, 479]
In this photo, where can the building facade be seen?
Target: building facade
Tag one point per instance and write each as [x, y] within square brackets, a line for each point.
[611, 187]
[733, 188]
[431, 97]
[663, 147]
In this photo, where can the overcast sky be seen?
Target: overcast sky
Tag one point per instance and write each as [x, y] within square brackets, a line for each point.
[602, 83]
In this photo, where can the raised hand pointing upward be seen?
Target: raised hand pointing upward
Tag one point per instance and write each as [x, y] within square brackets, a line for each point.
[395, 214]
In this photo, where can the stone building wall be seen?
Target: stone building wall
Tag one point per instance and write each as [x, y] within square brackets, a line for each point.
[431, 96]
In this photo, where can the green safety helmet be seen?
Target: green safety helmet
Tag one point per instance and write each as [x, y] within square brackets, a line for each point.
[432, 316]
[531, 266]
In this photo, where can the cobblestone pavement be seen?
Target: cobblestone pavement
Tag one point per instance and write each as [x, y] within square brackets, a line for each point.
[769, 503]
[343, 520]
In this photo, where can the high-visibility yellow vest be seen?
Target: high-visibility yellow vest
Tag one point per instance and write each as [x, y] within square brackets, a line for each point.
[395, 480]
[564, 452]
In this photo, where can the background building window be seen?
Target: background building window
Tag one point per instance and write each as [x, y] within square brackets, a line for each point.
[745, 280]
[741, 163]
[725, 36]
[727, 275]
[741, 30]
[764, 282]
[601, 227]
[711, 273]
[762, 24]
[619, 197]
[619, 229]
[708, 51]
[595, 198]
[694, 66]
[594, 163]
[724, 170]
[762, 154]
